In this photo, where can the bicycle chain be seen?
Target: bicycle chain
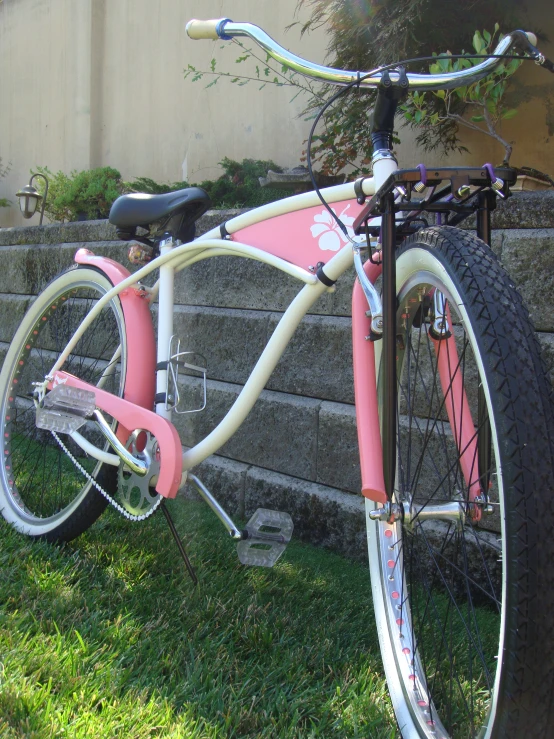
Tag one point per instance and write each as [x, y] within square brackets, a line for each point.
[101, 490]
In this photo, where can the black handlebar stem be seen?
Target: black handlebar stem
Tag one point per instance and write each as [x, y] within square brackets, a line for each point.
[389, 94]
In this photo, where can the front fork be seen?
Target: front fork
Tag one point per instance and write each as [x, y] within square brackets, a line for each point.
[486, 203]
[477, 477]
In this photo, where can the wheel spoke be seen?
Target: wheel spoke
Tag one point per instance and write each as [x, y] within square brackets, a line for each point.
[41, 482]
[444, 570]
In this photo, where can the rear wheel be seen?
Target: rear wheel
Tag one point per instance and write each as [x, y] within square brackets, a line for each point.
[42, 491]
[463, 597]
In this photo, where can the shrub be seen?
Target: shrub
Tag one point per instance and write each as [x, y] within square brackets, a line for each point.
[87, 194]
[366, 35]
[150, 187]
[480, 106]
[90, 193]
[237, 187]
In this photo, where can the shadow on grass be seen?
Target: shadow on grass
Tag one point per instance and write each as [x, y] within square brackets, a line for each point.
[107, 636]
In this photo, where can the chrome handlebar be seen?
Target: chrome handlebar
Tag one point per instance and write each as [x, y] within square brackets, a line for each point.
[225, 29]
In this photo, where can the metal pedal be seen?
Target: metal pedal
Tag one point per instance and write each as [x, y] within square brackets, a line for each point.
[264, 547]
[65, 409]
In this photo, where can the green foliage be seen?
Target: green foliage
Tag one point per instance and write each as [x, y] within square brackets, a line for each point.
[480, 106]
[4, 169]
[364, 36]
[263, 71]
[58, 183]
[92, 192]
[88, 194]
[149, 186]
[238, 186]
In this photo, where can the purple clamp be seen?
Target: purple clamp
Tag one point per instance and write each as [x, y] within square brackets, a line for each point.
[496, 183]
[422, 184]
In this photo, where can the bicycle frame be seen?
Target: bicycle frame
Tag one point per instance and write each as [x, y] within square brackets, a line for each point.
[293, 235]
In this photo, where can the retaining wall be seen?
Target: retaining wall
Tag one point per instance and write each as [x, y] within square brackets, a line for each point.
[297, 450]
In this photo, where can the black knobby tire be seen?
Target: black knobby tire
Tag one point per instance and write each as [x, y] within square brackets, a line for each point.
[42, 492]
[466, 640]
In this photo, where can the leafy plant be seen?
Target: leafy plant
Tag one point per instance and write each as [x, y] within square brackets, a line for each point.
[479, 107]
[364, 36]
[4, 169]
[149, 186]
[259, 70]
[89, 193]
[58, 183]
[92, 192]
[238, 186]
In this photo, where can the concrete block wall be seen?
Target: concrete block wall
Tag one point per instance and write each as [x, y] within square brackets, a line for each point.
[297, 450]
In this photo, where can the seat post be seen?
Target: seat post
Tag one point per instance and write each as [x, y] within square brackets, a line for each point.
[165, 327]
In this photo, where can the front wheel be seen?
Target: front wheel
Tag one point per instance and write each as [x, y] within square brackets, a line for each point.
[42, 492]
[462, 570]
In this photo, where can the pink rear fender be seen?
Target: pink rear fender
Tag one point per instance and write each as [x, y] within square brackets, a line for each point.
[140, 381]
[140, 376]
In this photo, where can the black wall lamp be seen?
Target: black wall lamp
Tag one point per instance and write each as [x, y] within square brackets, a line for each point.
[29, 198]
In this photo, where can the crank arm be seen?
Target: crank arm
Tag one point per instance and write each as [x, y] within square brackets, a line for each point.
[133, 463]
[131, 417]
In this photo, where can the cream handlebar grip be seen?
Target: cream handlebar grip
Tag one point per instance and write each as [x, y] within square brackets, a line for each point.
[204, 29]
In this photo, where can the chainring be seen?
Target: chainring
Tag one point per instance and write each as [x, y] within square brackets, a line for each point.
[135, 493]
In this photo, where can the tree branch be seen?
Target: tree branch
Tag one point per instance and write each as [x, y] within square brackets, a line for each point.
[492, 132]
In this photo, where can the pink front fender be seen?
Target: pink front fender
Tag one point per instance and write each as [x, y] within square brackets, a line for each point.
[365, 391]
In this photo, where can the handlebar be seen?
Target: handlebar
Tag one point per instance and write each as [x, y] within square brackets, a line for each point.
[225, 29]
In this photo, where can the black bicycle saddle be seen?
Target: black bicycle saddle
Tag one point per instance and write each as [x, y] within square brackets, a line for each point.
[177, 211]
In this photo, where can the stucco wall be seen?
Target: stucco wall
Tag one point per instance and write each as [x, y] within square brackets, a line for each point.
[93, 83]
[96, 82]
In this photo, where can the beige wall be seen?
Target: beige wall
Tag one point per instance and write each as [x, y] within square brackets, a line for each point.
[85, 83]
[44, 89]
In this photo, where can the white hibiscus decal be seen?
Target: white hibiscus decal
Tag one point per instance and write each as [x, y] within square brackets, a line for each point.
[327, 230]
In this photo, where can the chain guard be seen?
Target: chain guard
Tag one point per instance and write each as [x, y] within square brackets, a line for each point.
[134, 492]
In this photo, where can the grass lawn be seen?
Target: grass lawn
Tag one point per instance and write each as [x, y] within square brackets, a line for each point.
[107, 637]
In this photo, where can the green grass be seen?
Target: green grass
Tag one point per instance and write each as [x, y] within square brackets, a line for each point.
[108, 637]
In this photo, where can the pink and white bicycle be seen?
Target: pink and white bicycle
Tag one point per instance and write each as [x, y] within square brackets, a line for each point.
[453, 407]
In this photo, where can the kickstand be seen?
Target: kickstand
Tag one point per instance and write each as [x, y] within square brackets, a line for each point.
[180, 546]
